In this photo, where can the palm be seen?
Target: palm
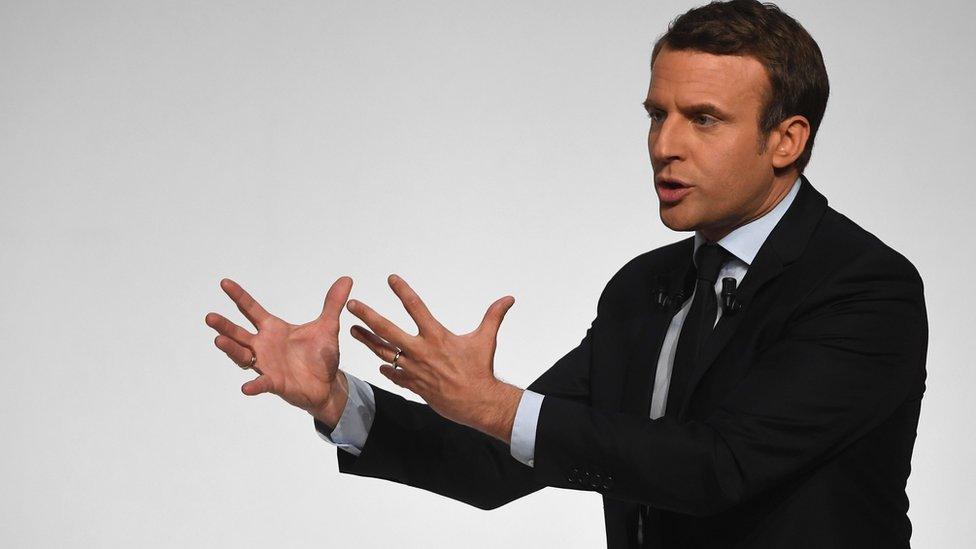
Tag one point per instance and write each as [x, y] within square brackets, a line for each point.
[299, 363]
[300, 360]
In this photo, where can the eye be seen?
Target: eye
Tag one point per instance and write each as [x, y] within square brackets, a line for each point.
[705, 118]
[652, 115]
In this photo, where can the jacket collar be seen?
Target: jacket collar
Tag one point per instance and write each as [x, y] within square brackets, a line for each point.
[744, 242]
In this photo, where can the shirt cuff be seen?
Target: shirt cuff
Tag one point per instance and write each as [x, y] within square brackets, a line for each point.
[357, 418]
[523, 429]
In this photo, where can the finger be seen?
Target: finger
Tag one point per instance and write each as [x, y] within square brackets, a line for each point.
[336, 297]
[397, 376]
[258, 385]
[495, 314]
[415, 306]
[248, 306]
[375, 343]
[226, 327]
[380, 325]
[235, 351]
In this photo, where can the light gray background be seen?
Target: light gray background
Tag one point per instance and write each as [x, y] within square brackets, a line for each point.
[148, 149]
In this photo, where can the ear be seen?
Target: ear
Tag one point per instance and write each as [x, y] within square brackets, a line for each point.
[788, 140]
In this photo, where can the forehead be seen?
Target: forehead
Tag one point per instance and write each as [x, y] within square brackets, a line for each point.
[734, 82]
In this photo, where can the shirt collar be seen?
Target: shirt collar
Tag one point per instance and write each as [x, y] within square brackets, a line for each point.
[744, 242]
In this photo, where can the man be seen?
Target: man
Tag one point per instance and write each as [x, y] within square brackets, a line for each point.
[755, 385]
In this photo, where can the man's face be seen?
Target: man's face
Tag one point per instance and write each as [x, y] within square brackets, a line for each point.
[714, 150]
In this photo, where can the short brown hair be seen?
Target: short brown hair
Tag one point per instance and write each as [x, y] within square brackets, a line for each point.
[761, 30]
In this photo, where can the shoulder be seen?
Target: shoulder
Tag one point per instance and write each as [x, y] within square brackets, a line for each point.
[859, 295]
[840, 245]
[847, 270]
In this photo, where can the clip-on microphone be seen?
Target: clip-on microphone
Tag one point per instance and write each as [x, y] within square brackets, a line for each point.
[730, 305]
[661, 297]
[664, 299]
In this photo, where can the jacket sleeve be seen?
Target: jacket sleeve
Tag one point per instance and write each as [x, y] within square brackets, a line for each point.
[410, 444]
[852, 353]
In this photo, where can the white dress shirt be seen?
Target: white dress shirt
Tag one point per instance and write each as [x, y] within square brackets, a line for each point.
[743, 243]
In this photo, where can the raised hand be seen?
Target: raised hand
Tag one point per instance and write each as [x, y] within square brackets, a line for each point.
[453, 373]
[298, 362]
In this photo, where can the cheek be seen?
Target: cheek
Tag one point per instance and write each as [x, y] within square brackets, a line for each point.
[722, 186]
[720, 169]
[733, 163]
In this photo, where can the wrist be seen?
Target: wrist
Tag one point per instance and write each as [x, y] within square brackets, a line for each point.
[331, 410]
[501, 417]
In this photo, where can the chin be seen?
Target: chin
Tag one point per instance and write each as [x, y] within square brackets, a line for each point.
[677, 222]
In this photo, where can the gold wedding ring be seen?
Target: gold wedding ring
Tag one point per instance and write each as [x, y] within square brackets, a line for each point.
[254, 358]
[395, 357]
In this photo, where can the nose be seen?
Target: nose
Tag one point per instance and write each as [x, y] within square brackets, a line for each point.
[665, 142]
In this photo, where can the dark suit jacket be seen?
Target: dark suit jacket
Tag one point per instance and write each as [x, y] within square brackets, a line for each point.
[798, 431]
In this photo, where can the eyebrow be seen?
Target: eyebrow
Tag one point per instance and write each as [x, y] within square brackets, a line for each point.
[707, 108]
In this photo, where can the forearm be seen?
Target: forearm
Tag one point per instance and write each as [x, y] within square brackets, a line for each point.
[680, 467]
[411, 444]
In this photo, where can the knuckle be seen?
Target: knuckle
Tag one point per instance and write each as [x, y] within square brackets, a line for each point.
[437, 336]
[411, 344]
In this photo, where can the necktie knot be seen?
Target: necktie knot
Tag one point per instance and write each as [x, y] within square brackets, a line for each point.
[708, 261]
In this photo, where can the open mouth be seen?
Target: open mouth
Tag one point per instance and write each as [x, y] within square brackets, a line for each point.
[671, 191]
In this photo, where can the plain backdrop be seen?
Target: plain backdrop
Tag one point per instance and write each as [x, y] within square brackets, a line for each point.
[148, 149]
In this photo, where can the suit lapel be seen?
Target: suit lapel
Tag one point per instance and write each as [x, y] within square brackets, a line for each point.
[648, 330]
[784, 244]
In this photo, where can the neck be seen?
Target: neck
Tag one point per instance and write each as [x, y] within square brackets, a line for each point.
[777, 191]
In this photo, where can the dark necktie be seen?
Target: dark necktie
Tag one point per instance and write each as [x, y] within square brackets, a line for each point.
[698, 324]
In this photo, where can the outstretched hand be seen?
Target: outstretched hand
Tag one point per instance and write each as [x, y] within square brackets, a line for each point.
[453, 373]
[298, 362]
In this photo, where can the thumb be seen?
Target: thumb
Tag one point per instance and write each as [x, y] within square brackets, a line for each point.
[495, 314]
[336, 297]
[258, 385]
